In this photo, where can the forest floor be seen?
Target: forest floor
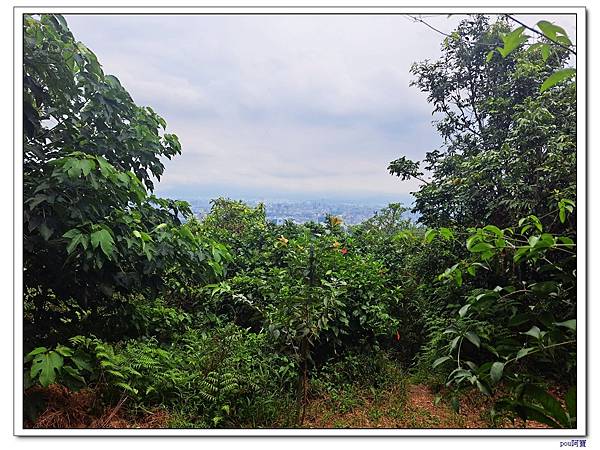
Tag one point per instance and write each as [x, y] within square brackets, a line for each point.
[413, 406]
[408, 406]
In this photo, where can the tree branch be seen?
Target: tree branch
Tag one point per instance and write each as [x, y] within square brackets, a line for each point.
[418, 19]
[541, 34]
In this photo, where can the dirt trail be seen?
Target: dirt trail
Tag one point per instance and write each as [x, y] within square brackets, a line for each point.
[413, 408]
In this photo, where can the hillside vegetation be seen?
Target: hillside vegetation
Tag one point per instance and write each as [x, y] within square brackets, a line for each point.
[136, 314]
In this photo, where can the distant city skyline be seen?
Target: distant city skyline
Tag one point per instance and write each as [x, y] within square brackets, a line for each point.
[301, 211]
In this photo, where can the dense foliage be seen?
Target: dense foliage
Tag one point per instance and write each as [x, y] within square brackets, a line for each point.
[509, 149]
[234, 321]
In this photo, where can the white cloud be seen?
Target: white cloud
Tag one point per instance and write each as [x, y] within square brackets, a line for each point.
[304, 104]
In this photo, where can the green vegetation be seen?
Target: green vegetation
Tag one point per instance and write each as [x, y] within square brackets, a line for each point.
[234, 321]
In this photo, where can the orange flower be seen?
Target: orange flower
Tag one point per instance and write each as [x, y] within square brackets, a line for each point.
[333, 221]
[397, 335]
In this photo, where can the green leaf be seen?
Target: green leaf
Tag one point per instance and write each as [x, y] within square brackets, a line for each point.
[471, 365]
[550, 405]
[458, 277]
[45, 231]
[483, 387]
[464, 310]
[185, 232]
[533, 332]
[117, 374]
[473, 338]
[429, 235]
[524, 352]
[35, 351]
[454, 342]
[73, 373]
[439, 361]
[82, 363]
[494, 229]
[512, 41]
[72, 245]
[496, 371]
[566, 240]
[545, 49]
[544, 288]
[520, 253]
[73, 167]
[45, 366]
[491, 349]
[446, 233]
[530, 412]
[64, 351]
[105, 167]
[470, 242]
[562, 215]
[87, 165]
[71, 233]
[570, 324]
[455, 404]
[481, 247]
[557, 77]
[104, 239]
[554, 32]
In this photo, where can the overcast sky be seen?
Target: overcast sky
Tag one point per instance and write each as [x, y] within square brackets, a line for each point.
[277, 107]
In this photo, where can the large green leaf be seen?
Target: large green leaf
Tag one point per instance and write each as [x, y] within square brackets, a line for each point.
[87, 165]
[570, 324]
[512, 41]
[464, 310]
[35, 351]
[524, 352]
[557, 77]
[554, 32]
[64, 351]
[496, 371]
[82, 362]
[45, 231]
[473, 338]
[441, 360]
[550, 405]
[103, 239]
[481, 247]
[73, 373]
[531, 412]
[482, 386]
[45, 366]
[533, 332]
